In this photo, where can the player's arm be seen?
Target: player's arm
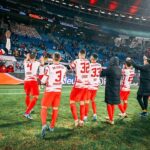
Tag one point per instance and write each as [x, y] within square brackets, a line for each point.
[136, 66]
[72, 65]
[105, 72]
[27, 58]
[46, 75]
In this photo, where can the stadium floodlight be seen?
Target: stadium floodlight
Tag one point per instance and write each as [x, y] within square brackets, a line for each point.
[64, 3]
[57, 1]
[89, 9]
[76, 6]
[96, 11]
[143, 18]
[122, 15]
[137, 18]
[70, 5]
[52, 0]
[82, 8]
[116, 15]
[102, 12]
[130, 17]
[109, 13]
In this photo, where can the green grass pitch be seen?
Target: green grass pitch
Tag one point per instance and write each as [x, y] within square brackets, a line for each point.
[17, 133]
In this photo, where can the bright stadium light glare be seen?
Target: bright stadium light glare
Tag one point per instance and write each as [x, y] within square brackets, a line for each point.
[130, 17]
[137, 18]
[116, 15]
[143, 18]
[70, 5]
[102, 12]
[57, 1]
[122, 15]
[82, 8]
[76, 6]
[89, 9]
[96, 11]
[109, 13]
[64, 3]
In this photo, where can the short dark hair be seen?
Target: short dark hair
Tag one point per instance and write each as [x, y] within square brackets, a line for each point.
[32, 56]
[82, 51]
[56, 56]
[95, 56]
[128, 63]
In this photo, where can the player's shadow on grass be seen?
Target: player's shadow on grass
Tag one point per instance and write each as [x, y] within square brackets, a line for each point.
[59, 134]
[14, 124]
[138, 130]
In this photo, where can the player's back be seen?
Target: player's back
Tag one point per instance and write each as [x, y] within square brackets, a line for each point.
[81, 67]
[94, 75]
[41, 70]
[56, 74]
[128, 75]
[31, 69]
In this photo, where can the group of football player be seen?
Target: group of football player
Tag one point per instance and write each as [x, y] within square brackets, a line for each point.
[87, 80]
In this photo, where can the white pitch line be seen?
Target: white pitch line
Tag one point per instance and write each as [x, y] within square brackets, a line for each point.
[43, 92]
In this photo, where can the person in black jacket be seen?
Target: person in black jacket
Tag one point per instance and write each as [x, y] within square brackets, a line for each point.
[112, 88]
[143, 92]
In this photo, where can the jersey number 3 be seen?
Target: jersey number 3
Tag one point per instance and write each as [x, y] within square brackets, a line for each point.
[59, 75]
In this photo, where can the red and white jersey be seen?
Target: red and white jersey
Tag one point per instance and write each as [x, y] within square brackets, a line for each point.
[53, 77]
[41, 70]
[31, 69]
[128, 75]
[94, 76]
[81, 67]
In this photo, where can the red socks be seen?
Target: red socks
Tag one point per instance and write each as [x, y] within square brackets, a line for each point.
[74, 111]
[86, 109]
[125, 105]
[31, 105]
[120, 106]
[43, 116]
[54, 118]
[110, 110]
[94, 107]
[27, 100]
[82, 112]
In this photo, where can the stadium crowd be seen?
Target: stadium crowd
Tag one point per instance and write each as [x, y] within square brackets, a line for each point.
[25, 39]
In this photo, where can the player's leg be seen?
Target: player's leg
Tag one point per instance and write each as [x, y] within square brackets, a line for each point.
[74, 112]
[55, 105]
[139, 98]
[110, 111]
[27, 91]
[121, 106]
[145, 102]
[54, 118]
[45, 103]
[86, 110]
[123, 113]
[35, 93]
[82, 112]
[94, 104]
[83, 97]
[87, 105]
[73, 105]
[125, 100]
